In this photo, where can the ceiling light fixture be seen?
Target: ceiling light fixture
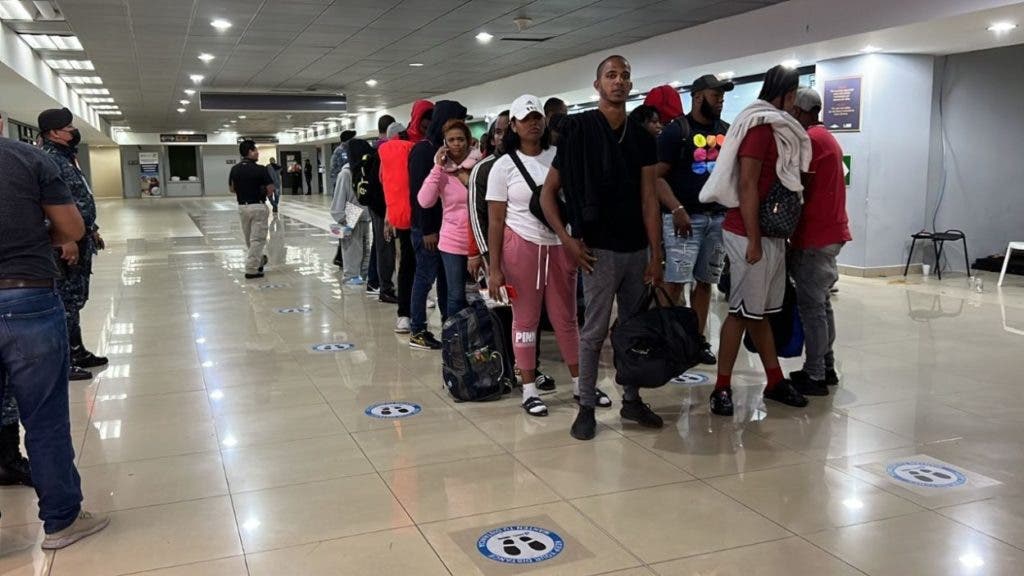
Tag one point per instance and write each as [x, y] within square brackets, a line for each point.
[220, 24]
[83, 79]
[870, 49]
[484, 37]
[92, 91]
[416, 64]
[371, 82]
[791, 63]
[1000, 27]
[206, 57]
[109, 112]
[105, 106]
[99, 100]
[52, 42]
[181, 110]
[190, 92]
[184, 102]
[242, 116]
[196, 78]
[726, 75]
[70, 64]
[10, 10]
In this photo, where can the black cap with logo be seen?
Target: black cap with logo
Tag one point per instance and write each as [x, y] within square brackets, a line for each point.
[711, 82]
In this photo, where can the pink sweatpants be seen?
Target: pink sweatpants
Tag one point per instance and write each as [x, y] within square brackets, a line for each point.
[540, 275]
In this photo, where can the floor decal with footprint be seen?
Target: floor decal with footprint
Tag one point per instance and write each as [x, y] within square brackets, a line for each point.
[520, 544]
[390, 410]
[926, 474]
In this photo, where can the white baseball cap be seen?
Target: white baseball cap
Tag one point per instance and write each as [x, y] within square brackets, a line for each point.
[524, 106]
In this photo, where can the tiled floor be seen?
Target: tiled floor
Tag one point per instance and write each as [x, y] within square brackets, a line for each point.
[223, 445]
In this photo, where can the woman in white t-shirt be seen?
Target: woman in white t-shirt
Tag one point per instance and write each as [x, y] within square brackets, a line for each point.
[526, 257]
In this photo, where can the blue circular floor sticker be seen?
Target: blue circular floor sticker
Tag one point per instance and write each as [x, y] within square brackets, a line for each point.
[392, 410]
[926, 474]
[520, 545]
[333, 347]
[294, 310]
[691, 379]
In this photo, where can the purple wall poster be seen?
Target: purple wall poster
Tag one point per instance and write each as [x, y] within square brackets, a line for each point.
[842, 104]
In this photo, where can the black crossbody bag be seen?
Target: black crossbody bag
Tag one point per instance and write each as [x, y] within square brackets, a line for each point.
[535, 207]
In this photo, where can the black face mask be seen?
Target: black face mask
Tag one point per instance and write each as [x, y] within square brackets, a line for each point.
[76, 138]
[709, 111]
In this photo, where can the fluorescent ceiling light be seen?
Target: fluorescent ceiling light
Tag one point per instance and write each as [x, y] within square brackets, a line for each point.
[105, 106]
[181, 110]
[726, 75]
[791, 63]
[484, 37]
[206, 57]
[190, 92]
[371, 82]
[234, 121]
[109, 112]
[416, 64]
[220, 24]
[196, 78]
[52, 42]
[70, 64]
[869, 49]
[98, 100]
[186, 131]
[83, 79]
[242, 116]
[13, 10]
[93, 91]
[1002, 27]
[184, 102]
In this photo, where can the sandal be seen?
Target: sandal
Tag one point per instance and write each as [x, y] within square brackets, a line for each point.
[535, 407]
[544, 382]
[603, 401]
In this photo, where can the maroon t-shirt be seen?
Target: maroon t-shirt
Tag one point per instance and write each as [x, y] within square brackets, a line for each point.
[759, 143]
[823, 221]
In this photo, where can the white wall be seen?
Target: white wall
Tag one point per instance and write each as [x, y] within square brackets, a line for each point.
[217, 163]
[105, 171]
[984, 132]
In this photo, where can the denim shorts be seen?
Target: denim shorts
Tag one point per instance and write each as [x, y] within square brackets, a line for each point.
[698, 257]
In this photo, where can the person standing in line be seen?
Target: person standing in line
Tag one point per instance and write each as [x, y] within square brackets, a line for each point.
[338, 159]
[307, 171]
[295, 170]
[34, 355]
[765, 147]
[605, 162]
[353, 218]
[447, 183]
[647, 117]
[823, 230]
[555, 111]
[381, 279]
[60, 143]
[688, 150]
[527, 255]
[251, 184]
[426, 229]
[274, 169]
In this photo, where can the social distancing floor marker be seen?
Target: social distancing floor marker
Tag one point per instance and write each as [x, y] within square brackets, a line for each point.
[520, 545]
[294, 310]
[926, 474]
[392, 410]
[691, 379]
[332, 347]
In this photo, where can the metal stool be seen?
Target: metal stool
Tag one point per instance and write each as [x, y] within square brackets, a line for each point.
[1006, 261]
[938, 240]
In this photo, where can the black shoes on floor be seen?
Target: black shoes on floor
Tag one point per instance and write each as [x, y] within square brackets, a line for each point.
[721, 402]
[786, 393]
[706, 355]
[640, 413]
[585, 426]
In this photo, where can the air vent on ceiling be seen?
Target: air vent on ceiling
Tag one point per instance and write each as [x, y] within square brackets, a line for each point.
[527, 38]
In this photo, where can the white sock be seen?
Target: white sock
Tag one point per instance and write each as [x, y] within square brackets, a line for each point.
[576, 385]
[529, 391]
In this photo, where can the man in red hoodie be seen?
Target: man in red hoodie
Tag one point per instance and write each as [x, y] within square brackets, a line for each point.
[394, 176]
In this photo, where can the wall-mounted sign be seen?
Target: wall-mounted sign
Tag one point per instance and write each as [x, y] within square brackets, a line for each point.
[149, 173]
[259, 139]
[842, 104]
[182, 138]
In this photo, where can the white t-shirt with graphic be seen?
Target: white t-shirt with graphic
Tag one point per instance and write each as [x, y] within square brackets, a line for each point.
[506, 184]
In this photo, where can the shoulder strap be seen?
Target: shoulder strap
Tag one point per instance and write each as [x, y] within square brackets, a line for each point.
[522, 170]
[684, 127]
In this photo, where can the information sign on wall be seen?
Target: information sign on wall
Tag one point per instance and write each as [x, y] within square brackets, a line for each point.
[182, 138]
[842, 104]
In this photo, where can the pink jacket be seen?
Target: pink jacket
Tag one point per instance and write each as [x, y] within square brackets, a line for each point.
[454, 196]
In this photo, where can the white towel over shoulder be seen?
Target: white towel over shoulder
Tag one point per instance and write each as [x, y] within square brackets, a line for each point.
[794, 153]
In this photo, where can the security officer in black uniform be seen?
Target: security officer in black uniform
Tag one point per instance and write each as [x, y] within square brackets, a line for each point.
[251, 184]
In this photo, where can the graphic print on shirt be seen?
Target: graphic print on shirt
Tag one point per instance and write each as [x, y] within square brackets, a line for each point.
[706, 149]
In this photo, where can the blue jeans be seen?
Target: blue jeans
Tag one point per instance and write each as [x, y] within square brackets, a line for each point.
[699, 257]
[456, 276]
[428, 270]
[34, 355]
[276, 198]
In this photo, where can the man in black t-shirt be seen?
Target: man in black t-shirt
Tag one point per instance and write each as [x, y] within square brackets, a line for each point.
[606, 164]
[692, 230]
[252, 185]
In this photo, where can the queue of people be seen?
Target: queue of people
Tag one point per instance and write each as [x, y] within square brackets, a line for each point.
[613, 203]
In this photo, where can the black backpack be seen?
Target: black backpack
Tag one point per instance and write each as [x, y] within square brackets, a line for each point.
[370, 190]
[472, 364]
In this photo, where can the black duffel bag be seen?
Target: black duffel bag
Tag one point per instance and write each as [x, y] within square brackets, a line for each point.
[655, 345]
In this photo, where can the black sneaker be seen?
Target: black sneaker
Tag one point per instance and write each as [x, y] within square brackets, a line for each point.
[388, 298]
[253, 276]
[424, 341]
[721, 402]
[263, 262]
[806, 385]
[706, 355]
[640, 413]
[79, 374]
[85, 359]
[544, 382]
[785, 393]
[831, 377]
[585, 426]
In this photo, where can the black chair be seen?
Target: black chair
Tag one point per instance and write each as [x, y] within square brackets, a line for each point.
[938, 240]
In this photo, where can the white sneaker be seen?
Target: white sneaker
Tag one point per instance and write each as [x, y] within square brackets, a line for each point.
[85, 525]
[403, 325]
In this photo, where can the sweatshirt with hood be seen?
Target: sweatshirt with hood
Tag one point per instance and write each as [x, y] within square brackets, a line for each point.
[665, 99]
[394, 169]
[421, 161]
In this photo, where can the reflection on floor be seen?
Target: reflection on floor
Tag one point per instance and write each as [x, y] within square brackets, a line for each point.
[225, 441]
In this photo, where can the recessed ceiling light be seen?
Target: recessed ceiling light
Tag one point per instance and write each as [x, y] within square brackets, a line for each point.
[870, 49]
[196, 78]
[416, 64]
[70, 64]
[184, 102]
[190, 92]
[234, 121]
[99, 100]
[181, 110]
[14, 11]
[371, 82]
[241, 116]
[52, 42]
[186, 131]
[83, 79]
[791, 63]
[93, 91]
[484, 37]
[726, 75]
[220, 24]
[1002, 27]
[206, 57]
[227, 125]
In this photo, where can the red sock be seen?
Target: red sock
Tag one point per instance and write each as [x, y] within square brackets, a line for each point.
[774, 376]
[724, 382]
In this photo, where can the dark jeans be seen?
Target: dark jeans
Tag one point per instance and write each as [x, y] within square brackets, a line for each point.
[34, 355]
[428, 271]
[406, 271]
[456, 276]
[382, 259]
